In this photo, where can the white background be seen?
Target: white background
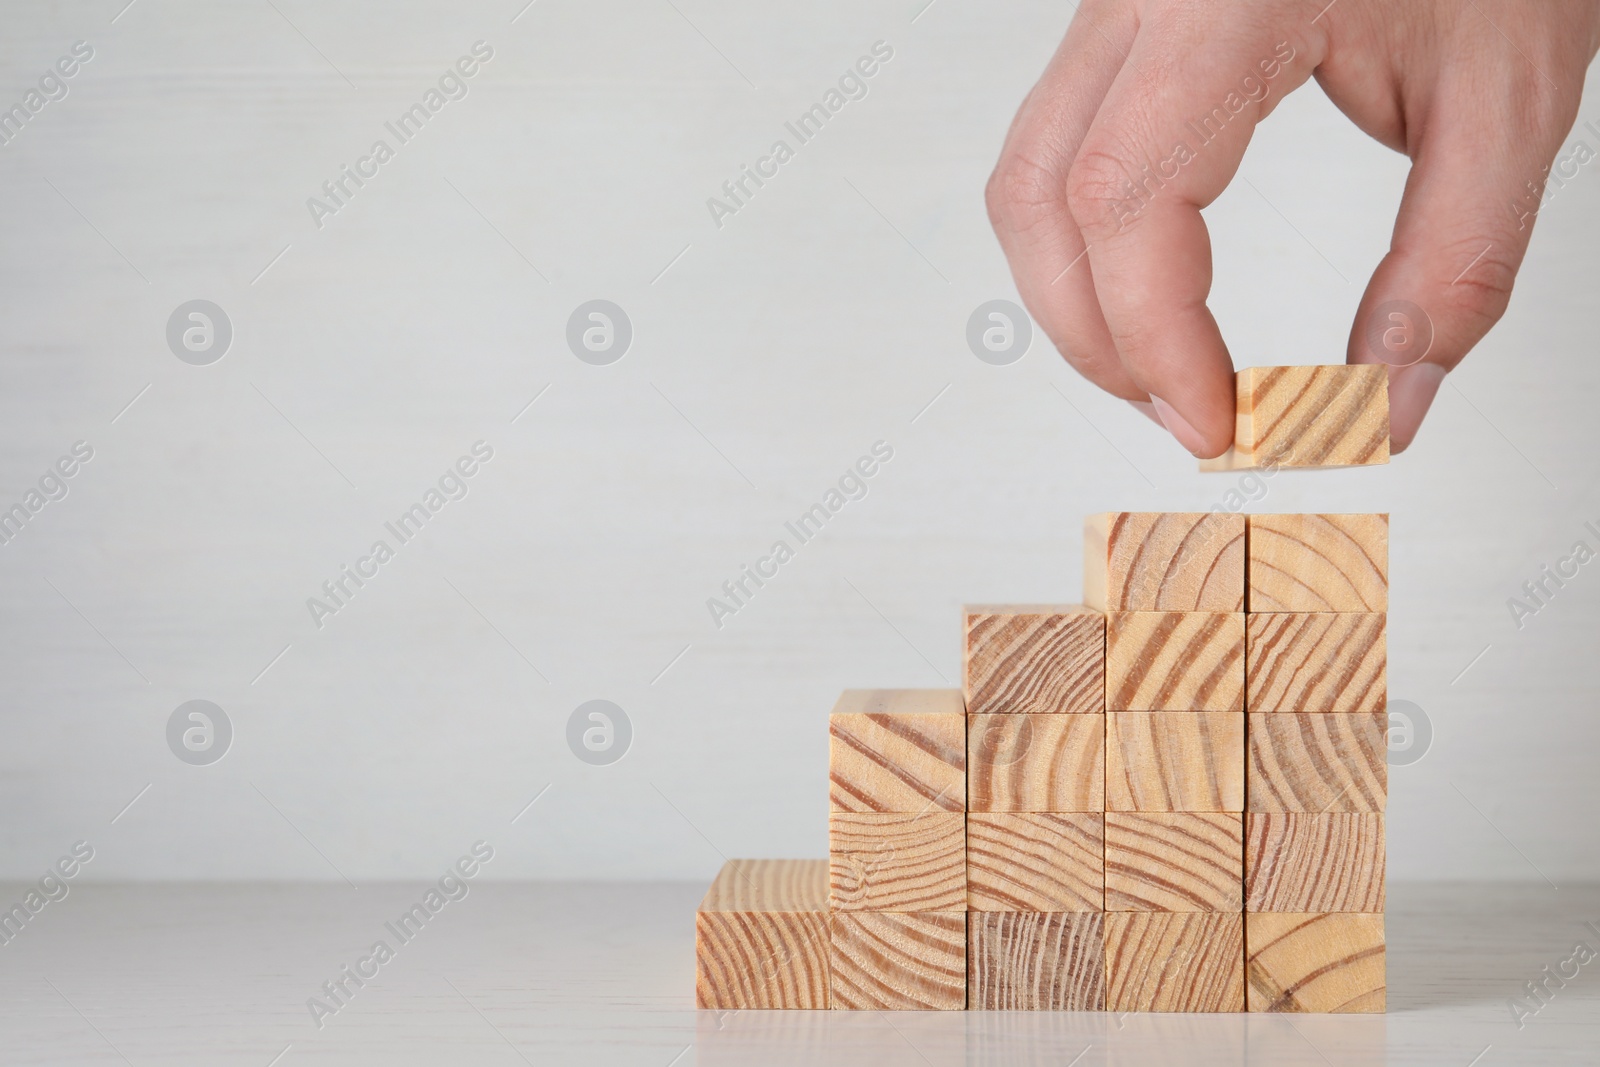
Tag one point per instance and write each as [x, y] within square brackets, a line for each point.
[771, 354]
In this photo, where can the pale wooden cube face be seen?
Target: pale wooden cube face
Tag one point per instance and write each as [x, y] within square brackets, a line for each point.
[897, 862]
[1317, 763]
[1034, 660]
[1174, 961]
[897, 761]
[1036, 763]
[1174, 861]
[1318, 563]
[1316, 963]
[1035, 862]
[1164, 561]
[1035, 961]
[1175, 761]
[1316, 662]
[895, 961]
[1307, 862]
[1175, 661]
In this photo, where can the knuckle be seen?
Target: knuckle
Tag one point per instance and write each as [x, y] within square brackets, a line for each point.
[1481, 292]
[1023, 192]
[1097, 191]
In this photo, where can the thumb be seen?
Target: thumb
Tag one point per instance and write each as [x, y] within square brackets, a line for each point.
[1463, 228]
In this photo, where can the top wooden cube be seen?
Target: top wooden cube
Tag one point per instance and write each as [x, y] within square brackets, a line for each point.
[1035, 659]
[1319, 563]
[1164, 561]
[898, 750]
[1323, 416]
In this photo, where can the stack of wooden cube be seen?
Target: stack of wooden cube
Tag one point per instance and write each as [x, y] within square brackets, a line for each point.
[1168, 800]
[1315, 691]
[1173, 589]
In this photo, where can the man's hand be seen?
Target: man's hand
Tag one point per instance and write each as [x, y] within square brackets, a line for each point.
[1142, 118]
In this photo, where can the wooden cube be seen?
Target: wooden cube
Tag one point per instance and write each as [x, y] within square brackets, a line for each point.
[1035, 961]
[892, 961]
[1175, 761]
[1317, 763]
[1314, 863]
[888, 861]
[1319, 563]
[1035, 659]
[761, 936]
[1174, 961]
[897, 750]
[1331, 415]
[1316, 963]
[1316, 662]
[1164, 561]
[1036, 763]
[1174, 661]
[1174, 861]
[1035, 862]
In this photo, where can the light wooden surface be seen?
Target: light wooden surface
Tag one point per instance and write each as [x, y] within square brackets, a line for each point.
[1035, 862]
[1319, 562]
[1316, 963]
[880, 861]
[1036, 763]
[1314, 863]
[1333, 415]
[1174, 661]
[1034, 658]
[761, 936]
[1174, 961]
[1174, 861]
[1035, 961]
[1316, 662]
[1175, 761]
[602, 974]
[1315, 763]
[899, 960]
[1164, 561]
[899, 761]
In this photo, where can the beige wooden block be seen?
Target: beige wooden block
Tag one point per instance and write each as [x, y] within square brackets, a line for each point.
[1331, 415]
[1035, 961]
[1317, 763]
[1164, 561]
[1048, 658]
[761, 936]
[1174, 661]
[1314, 863]
[1175, 761]
[894, 961]
[1316, 963]
[1316, 662]
[897, 750]
[1036, 763]
[1174, 961]
[1035, 862]
[888, 861]
[1174, 861]
[1319, 563]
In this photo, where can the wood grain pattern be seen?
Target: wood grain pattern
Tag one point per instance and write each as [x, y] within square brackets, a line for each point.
[1164, 561]
[1174, 961]
[1316, 963]
[1174, 661]
[1174, 861]
[1036, 763]
[1317, 763]
[1034, 659]
[1316, 662]
[1035, 862]
[1035, 961]
[893, 961]
[1175, 761]
[1331, 415]
[896, 761]
[1314, 863]
[761, 936]
[887, 861]
[1319, 563]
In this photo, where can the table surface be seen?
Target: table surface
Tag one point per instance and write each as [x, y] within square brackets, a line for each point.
[603, 973]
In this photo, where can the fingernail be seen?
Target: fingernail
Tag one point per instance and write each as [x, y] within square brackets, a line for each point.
[1178, 426]
[1144, 408]
[1411, 393]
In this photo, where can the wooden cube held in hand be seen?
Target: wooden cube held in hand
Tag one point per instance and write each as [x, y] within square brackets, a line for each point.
[1331, 415]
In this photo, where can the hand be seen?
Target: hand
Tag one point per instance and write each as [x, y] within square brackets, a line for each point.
[1142, 118]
